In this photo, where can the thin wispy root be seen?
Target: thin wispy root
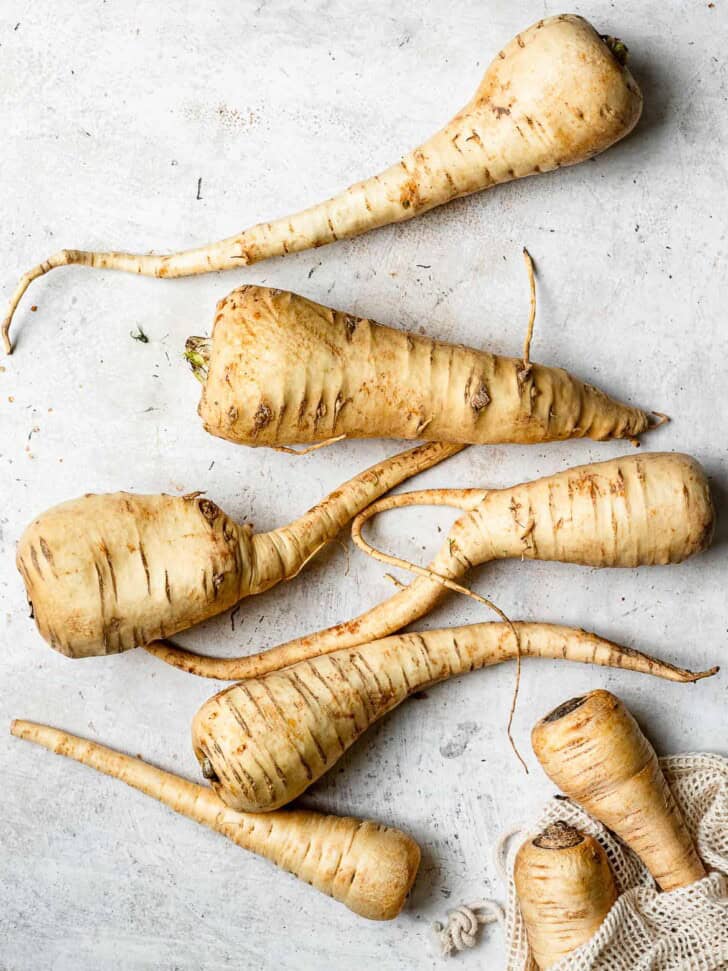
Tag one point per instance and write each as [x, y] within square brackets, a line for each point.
[662, 419]
[531, 313]
[466, 498]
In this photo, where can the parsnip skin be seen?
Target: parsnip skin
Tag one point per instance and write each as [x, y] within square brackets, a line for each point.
[565, 890]
[365, 866]
[281, 369]
[554, 96]
[640, 510]
[593, 749]
[105, 573]
[262, 742]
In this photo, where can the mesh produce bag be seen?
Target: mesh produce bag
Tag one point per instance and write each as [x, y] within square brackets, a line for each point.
[647, 930]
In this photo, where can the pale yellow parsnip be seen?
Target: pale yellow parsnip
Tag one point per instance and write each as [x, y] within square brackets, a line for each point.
[639, 510]
[281, 369]
[557, 94]
[263, 741]
[105, 573]
[593, 749]
[565, 890]
[367, 867]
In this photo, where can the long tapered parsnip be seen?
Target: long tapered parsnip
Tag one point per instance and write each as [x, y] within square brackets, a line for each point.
[565, 890]
[557, 94]
[280, 369]
[105, 573]
[593, 749]
[368, 867]
[262, 742]
[627, 512]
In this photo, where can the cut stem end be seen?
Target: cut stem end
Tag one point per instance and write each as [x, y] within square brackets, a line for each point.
[558, 836]
[565, 709]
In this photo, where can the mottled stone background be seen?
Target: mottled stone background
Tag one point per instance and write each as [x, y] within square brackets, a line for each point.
[112, 115]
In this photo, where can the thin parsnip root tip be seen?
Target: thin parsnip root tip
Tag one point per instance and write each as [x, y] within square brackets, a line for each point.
[555, 95]
[699, 675]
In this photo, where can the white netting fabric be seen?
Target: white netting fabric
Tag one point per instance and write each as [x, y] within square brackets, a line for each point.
[684, 930]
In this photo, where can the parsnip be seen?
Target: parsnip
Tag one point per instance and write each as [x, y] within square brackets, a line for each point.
[593, 749]
[262, 742]
[280, 369]
[627, 512]
[565, 890]
[557, 94]
[105, 573]
[365, 866]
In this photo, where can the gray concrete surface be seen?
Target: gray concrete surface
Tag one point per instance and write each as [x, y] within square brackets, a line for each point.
[110, 115]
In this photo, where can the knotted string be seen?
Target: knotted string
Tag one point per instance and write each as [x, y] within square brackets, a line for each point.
[463, 923]
[461, 929]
